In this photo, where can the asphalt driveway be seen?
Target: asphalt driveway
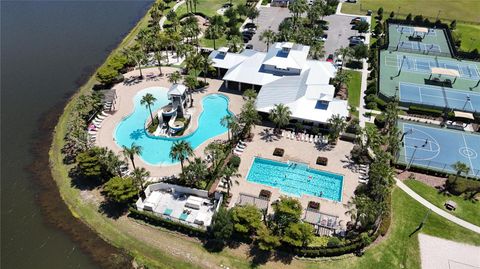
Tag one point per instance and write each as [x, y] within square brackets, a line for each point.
[338, 33]
[269, 18]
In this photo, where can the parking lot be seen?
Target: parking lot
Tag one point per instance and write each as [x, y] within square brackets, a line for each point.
[270, 17]
[338, 33]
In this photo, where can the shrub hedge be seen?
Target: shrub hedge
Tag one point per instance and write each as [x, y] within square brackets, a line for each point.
[425, 111]
[150, 218]
[235, 161]
[462, 185]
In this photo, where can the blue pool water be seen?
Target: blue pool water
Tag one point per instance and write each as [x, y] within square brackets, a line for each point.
[155, 150]
[296, 179]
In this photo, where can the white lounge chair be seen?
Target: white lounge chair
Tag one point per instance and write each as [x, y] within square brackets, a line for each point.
[241, 146]
[241, 142]
[239, 149]
[311, 139]
[238, 153]
[363, 181]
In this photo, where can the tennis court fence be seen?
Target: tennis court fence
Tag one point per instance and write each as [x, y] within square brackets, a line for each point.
[434, 166]
[424, 52]
[405, 102]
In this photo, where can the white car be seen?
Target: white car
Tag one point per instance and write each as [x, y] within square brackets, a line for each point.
[338, 63]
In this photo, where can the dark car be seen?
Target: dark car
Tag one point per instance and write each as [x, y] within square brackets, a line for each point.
[324, 27]
[358, 37]
[248, 34]
[330, 58]
[355, 42]
[249, 46]
[246, 39]
[250, 25]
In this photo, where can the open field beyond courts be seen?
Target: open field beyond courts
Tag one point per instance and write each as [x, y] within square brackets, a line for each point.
[466, 209]
[209, 7]
[470, 36]
[460, 10]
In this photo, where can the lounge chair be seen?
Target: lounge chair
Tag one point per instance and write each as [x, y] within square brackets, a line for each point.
[305, 137]
[316, 139]
[241, 146]
[363, 181]
[310, 138]
[238, 153]
[242, 143]
[239, 149]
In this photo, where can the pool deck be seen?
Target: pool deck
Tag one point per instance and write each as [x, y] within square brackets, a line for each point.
[124, 107]
[305, 152]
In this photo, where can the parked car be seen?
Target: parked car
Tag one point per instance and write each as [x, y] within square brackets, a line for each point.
[351, 1]
[360, 37]
[249, 46]
[324, 37]
[330, 58]
[338, 63]
[250, 25]
[324, 27]
[355, 42]
[357, 20]
[248, 34]
[246, 39]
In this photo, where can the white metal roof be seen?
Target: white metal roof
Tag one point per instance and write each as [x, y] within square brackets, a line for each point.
[229, 60]
[295, 58]
[177, 89]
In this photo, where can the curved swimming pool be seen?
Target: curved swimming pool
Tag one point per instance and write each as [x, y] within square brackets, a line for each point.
[155, 150]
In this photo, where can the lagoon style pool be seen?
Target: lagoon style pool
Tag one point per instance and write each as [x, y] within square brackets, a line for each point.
[155, 150]
[296, 179]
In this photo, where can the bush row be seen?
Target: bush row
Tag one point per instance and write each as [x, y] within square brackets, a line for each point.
[375, 102]
[150, 218]
[425, 111]
[462, 185]
[328, 252]
[386, 217]
[110, 73]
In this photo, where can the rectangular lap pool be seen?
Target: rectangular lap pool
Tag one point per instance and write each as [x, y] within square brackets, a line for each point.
[296, 179]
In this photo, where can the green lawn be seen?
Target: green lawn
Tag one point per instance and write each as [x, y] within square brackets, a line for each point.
[470, 36]
[208, 7]
[354, 86]
[460, 10]
[208, 43]
[466, 209]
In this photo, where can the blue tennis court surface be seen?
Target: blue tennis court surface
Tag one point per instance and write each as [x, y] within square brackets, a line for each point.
[439, 97]
[419, 46]
[424, 65]
[438, 148]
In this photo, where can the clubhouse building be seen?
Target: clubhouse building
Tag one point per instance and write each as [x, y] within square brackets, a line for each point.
[283, 75]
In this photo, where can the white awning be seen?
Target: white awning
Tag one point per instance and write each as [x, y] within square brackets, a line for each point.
[465, 115]
[445, 71]
[420, 29]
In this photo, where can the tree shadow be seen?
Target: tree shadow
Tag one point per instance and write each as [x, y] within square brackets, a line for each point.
[258, 257]
[137, 134]
[268, 135]
[323, 147]
[283, 257]
[112, 209]
[81, 182]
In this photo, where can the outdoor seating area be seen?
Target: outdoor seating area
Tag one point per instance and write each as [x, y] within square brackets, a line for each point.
[299, 136]
[190, 206]
[260, 202]
[239, 148]
[324, 224]
[96, 123]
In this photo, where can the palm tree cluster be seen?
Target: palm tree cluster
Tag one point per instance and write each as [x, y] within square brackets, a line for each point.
[76, 140]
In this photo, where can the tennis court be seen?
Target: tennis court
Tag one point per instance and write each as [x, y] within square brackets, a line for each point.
[409, 30]
[439, 97]
[438, 148]
[423, 65]
[419, 46]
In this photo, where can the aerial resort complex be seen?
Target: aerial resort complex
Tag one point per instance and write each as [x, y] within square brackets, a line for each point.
[245, 134]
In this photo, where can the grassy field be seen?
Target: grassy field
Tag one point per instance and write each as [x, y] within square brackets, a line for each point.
[466, 209]
[209, 7]
[208, 43]
[461, 10]
[470, 36]
[354, 88]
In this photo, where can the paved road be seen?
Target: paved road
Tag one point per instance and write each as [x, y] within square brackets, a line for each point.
[269, 18]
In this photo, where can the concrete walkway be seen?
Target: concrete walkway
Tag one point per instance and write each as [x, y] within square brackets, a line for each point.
[174, 8]
[437, 210]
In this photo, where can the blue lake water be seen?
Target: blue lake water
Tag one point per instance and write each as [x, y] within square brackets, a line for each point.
[296, 179]
[156, 150]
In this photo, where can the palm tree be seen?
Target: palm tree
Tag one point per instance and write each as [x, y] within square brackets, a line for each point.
[280, 115]
[148, 100]
[317, 51]
[337, 125]
[191, 82]
[268, 36]
[297, 8]
[207, 66]
[213, 32]
[180, 151]
[228, 121]
[113, 163]
[249, 117]
[460, 168]
[228, 173]
[174, 77]
[193, 62]
[194, 2]
[345, 52]
[234, 43]
[250, 94]
[341, 78]
[139, 175]
[173, 18]
[130, 152]
[195, 171]
[135, 54]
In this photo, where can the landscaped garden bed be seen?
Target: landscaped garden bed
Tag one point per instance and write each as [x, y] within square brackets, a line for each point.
[278, 152]
[322, 161]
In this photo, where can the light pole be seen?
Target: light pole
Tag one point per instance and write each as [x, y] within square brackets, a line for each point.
[413, 154]
[466, 102]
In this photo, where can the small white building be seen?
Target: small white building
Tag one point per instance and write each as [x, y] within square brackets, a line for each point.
[182, 204]
[284, 75]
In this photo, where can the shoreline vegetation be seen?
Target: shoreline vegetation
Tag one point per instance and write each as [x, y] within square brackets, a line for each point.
[159, 247]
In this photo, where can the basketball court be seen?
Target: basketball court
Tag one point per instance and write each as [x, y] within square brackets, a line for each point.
[438, 148]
